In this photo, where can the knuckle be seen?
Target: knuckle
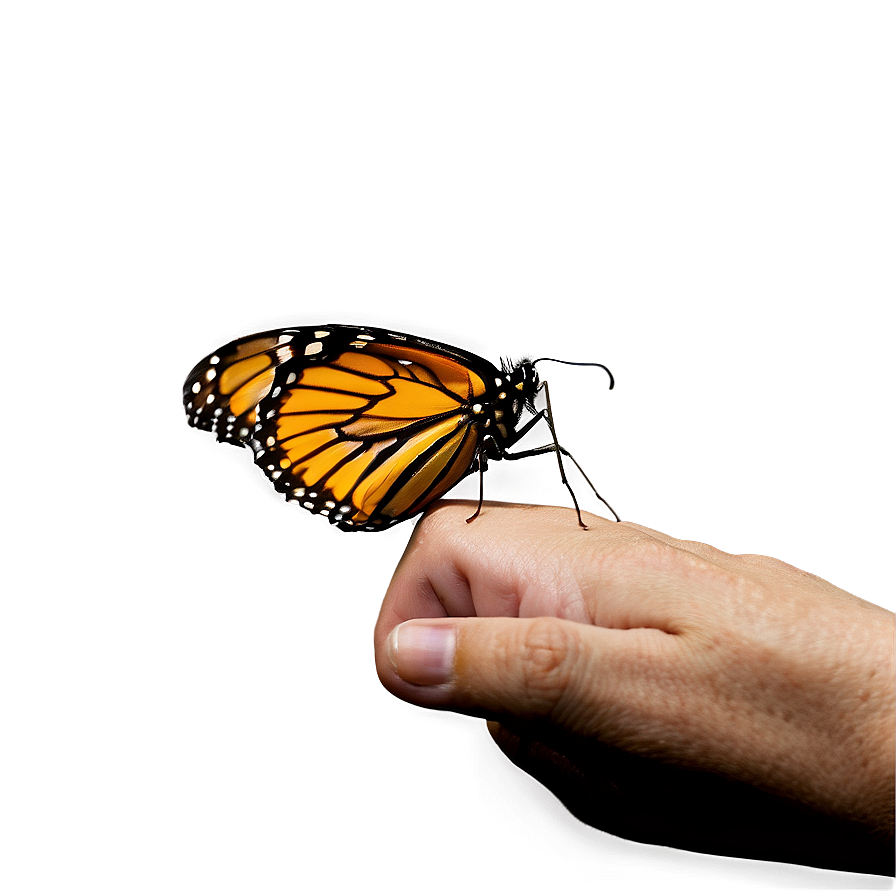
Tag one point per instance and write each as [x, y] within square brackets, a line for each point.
[433, 520]
[548, 654]
[439, 524]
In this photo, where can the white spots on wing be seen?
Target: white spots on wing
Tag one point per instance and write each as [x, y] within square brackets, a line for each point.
[291, 379]
[214, 359]
[196, 387]
[285, 353]
[314, 348]
[320, 334]
[210, 399]
[270, 441]
[284, 338]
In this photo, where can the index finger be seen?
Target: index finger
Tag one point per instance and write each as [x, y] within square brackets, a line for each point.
[513, 560]
[529, 561]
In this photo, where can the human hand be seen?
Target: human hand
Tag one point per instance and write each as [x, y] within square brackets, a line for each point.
[666, 691]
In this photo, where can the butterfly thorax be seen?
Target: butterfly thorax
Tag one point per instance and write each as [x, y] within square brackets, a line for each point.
[497, 418]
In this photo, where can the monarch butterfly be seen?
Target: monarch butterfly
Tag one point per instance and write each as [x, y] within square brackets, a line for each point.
[365, 426]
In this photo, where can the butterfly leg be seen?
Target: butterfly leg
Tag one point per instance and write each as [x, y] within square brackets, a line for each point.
[483, 465]
[559, 450]
[555, 447]
[585, 477]
[545, 449]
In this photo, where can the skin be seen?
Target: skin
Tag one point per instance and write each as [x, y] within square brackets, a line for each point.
[664, 690]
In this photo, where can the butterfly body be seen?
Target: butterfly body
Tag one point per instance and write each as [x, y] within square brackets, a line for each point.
[362, 425]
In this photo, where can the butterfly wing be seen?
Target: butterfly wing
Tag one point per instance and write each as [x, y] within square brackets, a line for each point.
[223, 390]
[361, 425]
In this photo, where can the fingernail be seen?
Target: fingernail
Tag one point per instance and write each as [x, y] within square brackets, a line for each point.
[422, 653]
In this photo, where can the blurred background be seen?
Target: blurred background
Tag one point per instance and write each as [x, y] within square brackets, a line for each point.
[699, 196]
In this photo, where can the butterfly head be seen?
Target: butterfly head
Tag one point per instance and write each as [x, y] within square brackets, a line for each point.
[522, 378]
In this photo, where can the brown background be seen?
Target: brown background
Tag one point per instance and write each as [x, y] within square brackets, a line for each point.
[701, 193]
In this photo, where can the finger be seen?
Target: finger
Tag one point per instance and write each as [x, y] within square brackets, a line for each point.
[529, 561]
[581, 678]
[508, 554]
[510, 561]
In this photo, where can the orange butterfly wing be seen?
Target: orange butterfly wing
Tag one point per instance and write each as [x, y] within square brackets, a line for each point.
[371, 436]
[223, 390]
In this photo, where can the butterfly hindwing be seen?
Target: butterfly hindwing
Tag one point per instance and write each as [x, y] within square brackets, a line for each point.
[368, 432]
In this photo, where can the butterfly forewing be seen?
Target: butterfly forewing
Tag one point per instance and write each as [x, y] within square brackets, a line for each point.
[223, 390]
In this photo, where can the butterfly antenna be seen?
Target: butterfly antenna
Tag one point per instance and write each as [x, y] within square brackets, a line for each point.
[580, 364]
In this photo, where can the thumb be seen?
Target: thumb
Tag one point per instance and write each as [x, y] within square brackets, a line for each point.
[541, 668]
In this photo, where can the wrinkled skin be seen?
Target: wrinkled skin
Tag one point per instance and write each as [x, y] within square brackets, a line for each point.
[666, 691]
